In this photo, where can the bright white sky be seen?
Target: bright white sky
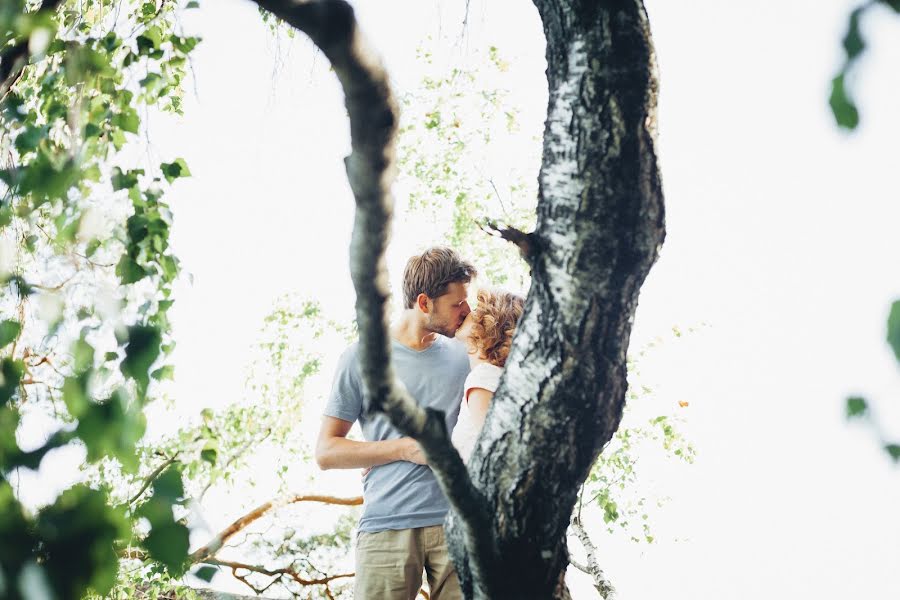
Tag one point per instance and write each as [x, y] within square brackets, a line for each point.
[782, 236]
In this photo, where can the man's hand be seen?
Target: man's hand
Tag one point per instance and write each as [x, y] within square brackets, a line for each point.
[411, 451]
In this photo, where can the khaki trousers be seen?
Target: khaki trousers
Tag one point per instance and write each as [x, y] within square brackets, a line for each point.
[389, 565]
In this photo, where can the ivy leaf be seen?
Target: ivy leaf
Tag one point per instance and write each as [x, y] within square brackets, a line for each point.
[893, 328]
[9, 330]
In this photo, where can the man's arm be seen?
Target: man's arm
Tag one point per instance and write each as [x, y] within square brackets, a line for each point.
[335, 451]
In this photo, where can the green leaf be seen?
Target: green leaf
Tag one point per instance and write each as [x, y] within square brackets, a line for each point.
[149, 40]
[9, 330]
[853, 41]
[206, 573]
[83, 353]
[169, 485]
[74, 392]
[894, 451]
[30, 138]
[893, 328]
[174, 170]
[128, 120]
[79, 534]
[169, 545]
[11, 372]
[129, 271]
[140, 353]
[210, 452]
[125, 180]
[843, 108]
[166, 372]
[152, 82]
[112, 428]
[856, 407]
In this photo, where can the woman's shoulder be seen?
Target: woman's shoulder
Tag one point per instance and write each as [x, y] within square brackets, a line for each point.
[484, 375]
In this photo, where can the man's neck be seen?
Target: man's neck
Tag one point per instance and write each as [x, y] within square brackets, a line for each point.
[410, 333]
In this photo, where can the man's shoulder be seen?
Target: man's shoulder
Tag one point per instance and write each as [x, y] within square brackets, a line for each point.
[349, 357]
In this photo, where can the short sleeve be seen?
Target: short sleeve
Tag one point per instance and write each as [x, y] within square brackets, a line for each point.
[345, 400]
[485, 376]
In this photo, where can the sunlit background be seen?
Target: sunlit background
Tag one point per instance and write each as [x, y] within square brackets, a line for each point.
[780, 263]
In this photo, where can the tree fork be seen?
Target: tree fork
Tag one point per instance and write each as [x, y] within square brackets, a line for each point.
[600, 225]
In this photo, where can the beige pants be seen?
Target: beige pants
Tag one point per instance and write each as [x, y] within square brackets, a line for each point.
[389, 565]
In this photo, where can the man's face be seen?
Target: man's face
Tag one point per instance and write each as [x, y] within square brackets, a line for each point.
[449, 310]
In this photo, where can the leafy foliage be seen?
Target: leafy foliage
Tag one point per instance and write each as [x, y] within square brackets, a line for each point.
[450, 126]
[85, 268]
[843, 107]
[858, 407]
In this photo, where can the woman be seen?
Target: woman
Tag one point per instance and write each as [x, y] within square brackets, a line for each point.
[487, 333]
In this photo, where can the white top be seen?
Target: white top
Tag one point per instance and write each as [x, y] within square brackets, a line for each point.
[485, 376]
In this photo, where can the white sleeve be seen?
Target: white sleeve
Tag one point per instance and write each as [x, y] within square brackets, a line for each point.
[485, 376]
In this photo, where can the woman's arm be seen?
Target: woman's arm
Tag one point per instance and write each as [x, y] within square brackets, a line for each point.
[479, 399]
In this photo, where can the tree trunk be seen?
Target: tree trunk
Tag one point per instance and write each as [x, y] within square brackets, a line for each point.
[600, 225]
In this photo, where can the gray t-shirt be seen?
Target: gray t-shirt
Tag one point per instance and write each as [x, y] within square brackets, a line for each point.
[402, 495]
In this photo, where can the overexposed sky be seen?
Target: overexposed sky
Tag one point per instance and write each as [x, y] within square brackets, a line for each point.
[782, 237]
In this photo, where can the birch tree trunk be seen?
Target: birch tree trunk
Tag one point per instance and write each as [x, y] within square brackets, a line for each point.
[599, 228]
[600, 225]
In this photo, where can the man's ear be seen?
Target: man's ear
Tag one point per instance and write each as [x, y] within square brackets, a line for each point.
[422, 303]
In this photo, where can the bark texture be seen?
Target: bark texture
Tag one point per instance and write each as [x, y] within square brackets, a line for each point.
[599, 229]
[600, 226]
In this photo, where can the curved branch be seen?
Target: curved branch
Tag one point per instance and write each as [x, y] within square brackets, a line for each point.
[294, 575]
[373, 114]
[215, 544]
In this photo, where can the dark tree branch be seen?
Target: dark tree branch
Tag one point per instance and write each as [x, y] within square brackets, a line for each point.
[373, 114]
[524, 241]
[291, 573]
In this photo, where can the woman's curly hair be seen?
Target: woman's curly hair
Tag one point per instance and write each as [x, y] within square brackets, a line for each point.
[494, 323]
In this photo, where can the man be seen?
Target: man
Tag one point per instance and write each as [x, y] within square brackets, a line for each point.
[401, 530]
